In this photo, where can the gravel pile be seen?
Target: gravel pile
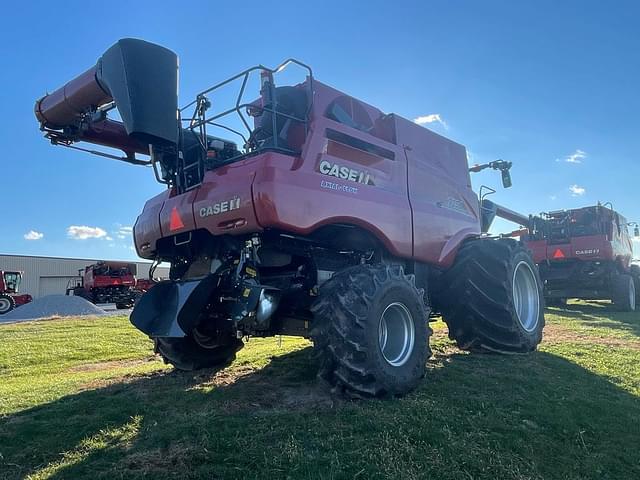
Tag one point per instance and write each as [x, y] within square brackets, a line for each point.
[52, 306]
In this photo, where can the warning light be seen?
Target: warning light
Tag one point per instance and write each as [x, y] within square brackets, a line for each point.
[558, 254]
[175, 222]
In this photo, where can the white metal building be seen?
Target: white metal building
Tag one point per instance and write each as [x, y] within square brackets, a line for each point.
[50, 275]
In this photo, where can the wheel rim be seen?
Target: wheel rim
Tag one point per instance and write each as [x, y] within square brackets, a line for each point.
[5, 305]
[526, 297]
[205, 341]
[396, 334]
[632, 295]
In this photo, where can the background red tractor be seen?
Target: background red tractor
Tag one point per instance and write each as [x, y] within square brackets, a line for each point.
[107, 282]
[585, 253]
[9, 288]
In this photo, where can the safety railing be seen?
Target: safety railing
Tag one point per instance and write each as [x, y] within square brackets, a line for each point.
[190, 171]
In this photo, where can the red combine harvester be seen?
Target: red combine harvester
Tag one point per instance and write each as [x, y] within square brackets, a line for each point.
[107, 282]
[327, 218]
[9, 287]
[585, 253]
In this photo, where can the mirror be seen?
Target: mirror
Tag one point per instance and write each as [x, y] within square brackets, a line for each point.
[506, 178]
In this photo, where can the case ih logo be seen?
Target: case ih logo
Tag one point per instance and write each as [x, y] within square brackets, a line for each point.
[590, 251]
[220, 207]
[345, 173]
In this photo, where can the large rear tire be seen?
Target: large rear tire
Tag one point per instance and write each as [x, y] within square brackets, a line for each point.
[188, 354]
[491, 299]
[371, 332]
[624, 292]
[7, 303]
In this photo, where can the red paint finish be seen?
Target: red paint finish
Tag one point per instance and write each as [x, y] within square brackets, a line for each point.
[146, 230]
[223, 203]
[445, 208]
[93, 278]
[22, 299]
[403, 183]
[592, 247]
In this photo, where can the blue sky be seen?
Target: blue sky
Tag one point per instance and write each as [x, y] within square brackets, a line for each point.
[551, 86]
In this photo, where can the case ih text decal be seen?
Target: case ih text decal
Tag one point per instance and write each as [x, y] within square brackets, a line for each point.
[220, 207]
[345, 173]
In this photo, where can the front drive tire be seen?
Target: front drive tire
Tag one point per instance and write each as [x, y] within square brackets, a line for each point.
[624, 292]
[7, 303]
[371, 332]
[491, 298]
[187, 354]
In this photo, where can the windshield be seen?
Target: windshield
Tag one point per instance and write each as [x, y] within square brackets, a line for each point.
[12, 281]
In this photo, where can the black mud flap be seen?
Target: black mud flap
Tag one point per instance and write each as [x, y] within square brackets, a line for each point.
[172, 309]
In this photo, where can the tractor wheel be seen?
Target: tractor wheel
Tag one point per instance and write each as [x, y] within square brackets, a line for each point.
[371, 332]
[491, 299]
[624, 292]
[7, 303]
[191, 353]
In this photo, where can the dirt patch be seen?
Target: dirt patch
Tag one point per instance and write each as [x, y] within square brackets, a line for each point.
[557, 334]
[110, 365]
[159, 461]
[249, 389]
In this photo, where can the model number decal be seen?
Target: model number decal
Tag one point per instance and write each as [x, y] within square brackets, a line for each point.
[345, 173]
[220, 207]
[338, 186]
[590, 251]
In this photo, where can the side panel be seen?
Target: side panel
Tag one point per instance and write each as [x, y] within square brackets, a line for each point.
[329, 187]
[445, 208]
[146, 231]
[223, 203]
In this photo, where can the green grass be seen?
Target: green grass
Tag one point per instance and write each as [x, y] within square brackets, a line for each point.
[86, 398]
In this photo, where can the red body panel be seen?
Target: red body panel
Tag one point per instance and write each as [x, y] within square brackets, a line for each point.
[592, 247]
[407, 186]
[22, 299]
[92, 280]
[614, 246]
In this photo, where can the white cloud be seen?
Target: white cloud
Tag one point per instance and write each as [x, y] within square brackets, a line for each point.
[431, 118]
[84, 232]
[109, 238]
[123, 232]
[553, 197]
[33, 235]
[575, 157]
[577, 191]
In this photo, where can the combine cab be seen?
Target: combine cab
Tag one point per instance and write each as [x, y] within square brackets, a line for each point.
[585, 253]
[9, 288]
[107, 282]
[321, 216]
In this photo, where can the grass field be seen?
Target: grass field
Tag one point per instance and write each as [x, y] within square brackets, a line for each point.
[86, 398]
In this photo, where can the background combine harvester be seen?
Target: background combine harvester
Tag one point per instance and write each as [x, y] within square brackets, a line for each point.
[107, 282]
[324, 217]
[9, 291]
[585, 253]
